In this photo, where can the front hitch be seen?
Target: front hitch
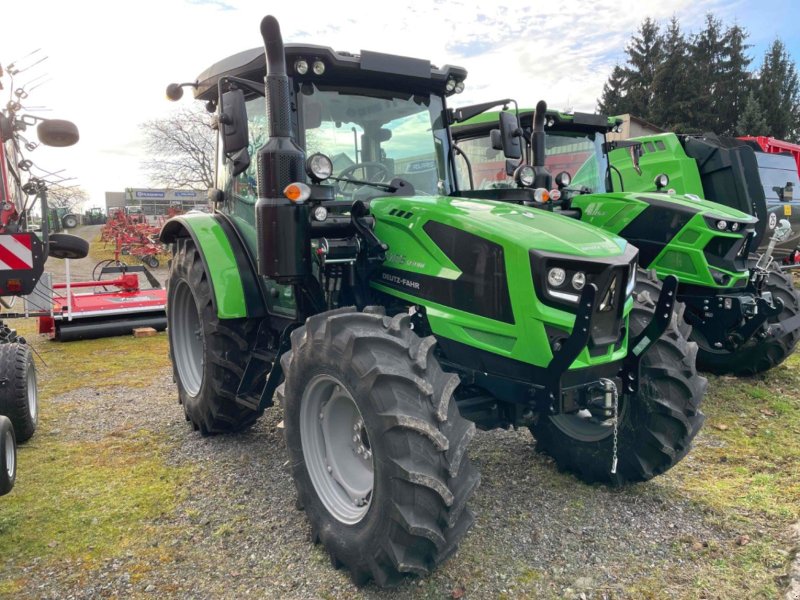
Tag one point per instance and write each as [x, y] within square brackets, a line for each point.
[665, 307]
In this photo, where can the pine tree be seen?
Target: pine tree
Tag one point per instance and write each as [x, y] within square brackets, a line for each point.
[613, 101]
[734, 80]
[674, 93]
[751, 120]
[706, 54]
[778, 93]
[644, 56]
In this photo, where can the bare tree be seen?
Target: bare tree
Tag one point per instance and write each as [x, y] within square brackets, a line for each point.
[182, 149]
[66, 197]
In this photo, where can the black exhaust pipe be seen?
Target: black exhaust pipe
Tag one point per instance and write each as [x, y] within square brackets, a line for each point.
[542, 177]
[283, 227]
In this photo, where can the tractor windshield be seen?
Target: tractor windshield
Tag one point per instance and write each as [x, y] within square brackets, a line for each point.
[579, 154]
[377, 136]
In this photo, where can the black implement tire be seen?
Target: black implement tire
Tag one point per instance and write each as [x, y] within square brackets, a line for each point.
[8, 456]
[656, 426]
[18, 397]
[208, 354]
[66, 245]
[421, 476]
[759, 354]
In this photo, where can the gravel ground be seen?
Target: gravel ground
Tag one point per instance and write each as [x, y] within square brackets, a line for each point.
[538, 532]
[236, 533]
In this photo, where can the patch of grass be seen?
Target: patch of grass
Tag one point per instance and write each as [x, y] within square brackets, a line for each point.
[84, 501]
[105, 362]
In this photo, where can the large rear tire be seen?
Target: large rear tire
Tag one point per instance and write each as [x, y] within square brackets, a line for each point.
[760, 353]
[208, 354]
[377, 445]
[656, 426]
[19, 400]
[8, 456]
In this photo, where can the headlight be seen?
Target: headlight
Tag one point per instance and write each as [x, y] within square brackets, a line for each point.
[556, 276]
[722, 225]
[661, 181]
[459, 87]
[319, 167]
[579, 280]
[301, 67]
[734, 226]
[450, 85]
[524, 175]
[318, 67]
[320, 213]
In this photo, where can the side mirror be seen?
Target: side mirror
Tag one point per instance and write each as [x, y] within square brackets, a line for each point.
[57, 133]
[495, 139]
[233, 121]
[510, 136]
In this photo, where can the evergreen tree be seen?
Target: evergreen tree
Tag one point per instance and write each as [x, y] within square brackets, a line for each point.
[644, 56]
[778, 93]
[613, 101]
[751, 120]
[734, 81]
[706, 54]
[674, 92]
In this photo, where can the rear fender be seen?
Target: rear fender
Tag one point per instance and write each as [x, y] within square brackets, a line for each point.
[236, 291]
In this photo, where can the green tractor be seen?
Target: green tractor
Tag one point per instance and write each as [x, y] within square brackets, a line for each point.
[342, 276]
[743, 312]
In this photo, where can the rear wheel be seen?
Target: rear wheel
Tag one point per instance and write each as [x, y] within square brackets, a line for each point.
[208, 354]
[656, 426]
[8, 456]
[18, 397]
[761, 352]
[377, 445]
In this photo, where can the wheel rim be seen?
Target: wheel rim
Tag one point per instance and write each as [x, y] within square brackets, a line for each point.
[187, 339]
[583, 427]
[11, 456]
[336, 449]
[33, 400]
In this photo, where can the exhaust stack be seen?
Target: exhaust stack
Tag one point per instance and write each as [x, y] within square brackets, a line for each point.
[543, 178]
[283, 227]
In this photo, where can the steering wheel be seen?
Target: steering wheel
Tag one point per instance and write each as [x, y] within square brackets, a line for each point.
[348, 171]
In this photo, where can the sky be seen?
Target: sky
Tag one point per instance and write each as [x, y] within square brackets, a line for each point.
[108, 63]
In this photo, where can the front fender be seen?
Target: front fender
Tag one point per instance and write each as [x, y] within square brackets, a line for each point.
[235, 289]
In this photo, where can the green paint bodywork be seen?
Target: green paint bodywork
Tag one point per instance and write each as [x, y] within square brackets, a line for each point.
[226, 282]
[612, 211]
[683, 256]
[663, 153]
[517, 229]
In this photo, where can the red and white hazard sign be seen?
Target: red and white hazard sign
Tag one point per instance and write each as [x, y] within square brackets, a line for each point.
[15, 252]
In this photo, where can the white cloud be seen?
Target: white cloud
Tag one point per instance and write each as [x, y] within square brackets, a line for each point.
[110, 62]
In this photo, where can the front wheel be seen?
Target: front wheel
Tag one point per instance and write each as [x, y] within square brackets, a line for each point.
[70, 222]
[656, 425]
[19, 400]
[377, 445]
[761, 352]
[208, 354]
[8, 456]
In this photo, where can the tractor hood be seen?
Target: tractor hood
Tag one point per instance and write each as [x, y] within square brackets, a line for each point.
[693, 203]
[503, 223]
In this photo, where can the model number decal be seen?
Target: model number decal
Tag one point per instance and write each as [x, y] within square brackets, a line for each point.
[397, 280]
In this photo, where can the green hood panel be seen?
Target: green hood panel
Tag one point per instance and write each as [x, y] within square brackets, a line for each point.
[504, 223]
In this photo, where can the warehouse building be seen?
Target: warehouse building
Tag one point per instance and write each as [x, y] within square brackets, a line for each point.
[155, 202]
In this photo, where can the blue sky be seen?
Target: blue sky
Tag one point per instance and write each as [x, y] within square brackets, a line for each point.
[108, 72]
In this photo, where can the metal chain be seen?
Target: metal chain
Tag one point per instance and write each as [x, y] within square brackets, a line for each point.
[615, 423]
